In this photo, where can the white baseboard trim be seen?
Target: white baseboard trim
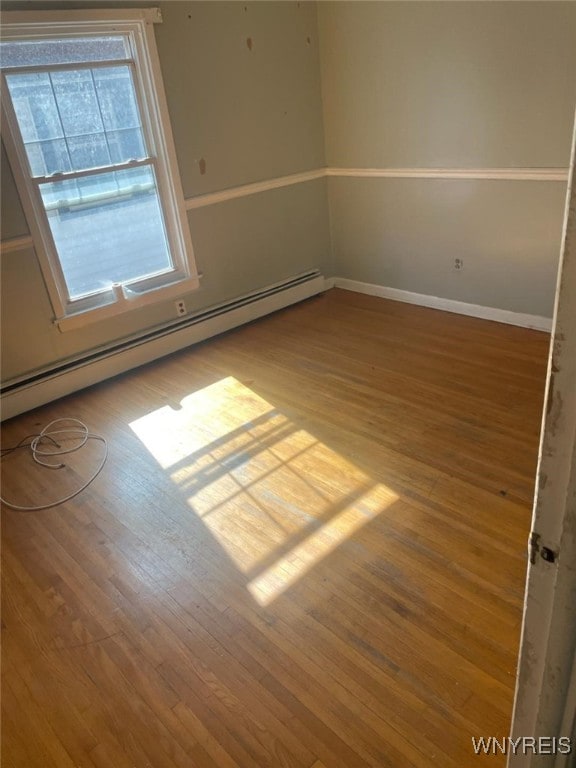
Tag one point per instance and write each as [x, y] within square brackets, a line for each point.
[535, 322]
[52, 386]
[329, 283]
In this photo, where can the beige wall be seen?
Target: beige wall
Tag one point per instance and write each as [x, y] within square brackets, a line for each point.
[383, 84]
[12, 219]
[406, 233]
[449, 85]
[251, 115]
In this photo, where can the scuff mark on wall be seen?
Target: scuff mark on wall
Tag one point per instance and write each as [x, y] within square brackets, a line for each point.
[556, 412]
[249, 43]
[528, 664]
[550, 400]
[557, 352]
[555, 408]
[202, 166]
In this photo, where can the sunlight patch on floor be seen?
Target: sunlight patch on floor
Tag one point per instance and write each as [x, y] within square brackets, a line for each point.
[205, 416]
[276, 498]
[288, 569]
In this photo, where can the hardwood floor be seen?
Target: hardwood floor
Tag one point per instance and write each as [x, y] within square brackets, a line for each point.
[307, 549]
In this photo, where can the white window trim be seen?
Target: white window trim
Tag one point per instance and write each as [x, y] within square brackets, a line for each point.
[150, 92]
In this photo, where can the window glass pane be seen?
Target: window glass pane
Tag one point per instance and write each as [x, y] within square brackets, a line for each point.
[125, 145]
[35, 106]
[65, 51]
[94, 111]
[48, 157]
[120, 114]
[77, 103]
[108, 228]
[89, 151]
[116, 97]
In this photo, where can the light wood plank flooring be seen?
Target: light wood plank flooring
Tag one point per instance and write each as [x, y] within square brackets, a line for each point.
[307, 550]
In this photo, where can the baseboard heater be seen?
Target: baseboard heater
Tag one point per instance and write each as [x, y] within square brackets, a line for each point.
[57, 381]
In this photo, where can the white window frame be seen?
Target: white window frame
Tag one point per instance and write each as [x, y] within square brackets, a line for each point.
[138, 25]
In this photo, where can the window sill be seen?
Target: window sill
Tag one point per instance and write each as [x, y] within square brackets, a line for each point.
[126, 302]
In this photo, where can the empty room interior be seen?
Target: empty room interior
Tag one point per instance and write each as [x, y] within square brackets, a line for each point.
[278, 284]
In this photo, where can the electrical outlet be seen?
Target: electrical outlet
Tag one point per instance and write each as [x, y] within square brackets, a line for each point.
[458, 264]
[180, 307]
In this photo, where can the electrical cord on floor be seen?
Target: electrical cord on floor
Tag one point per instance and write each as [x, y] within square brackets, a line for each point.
[37, 446]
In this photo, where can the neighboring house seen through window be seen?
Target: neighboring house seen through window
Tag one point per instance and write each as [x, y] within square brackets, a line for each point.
[94, 161]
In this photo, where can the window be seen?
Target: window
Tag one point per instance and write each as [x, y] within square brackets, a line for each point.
[86, 129]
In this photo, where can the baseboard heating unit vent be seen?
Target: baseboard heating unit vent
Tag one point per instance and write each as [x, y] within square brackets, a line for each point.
[20, 395]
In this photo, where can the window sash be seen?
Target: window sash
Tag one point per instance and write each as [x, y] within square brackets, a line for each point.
[35, 68]
[71, 175]
[144, 127]
[121, 204]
